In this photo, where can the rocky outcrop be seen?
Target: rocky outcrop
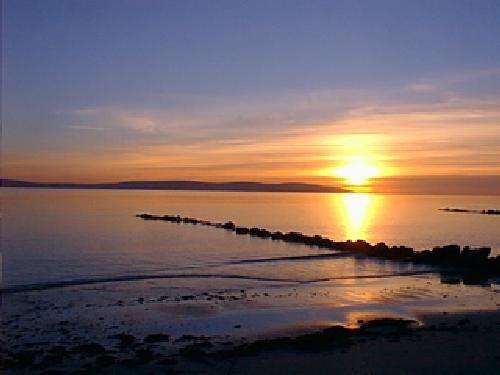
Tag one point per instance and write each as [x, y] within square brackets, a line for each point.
[474, 261]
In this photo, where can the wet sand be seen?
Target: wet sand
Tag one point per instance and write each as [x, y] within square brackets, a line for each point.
[444, 344]
[381, 325]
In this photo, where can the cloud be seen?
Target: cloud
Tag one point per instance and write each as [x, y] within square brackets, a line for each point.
[429, 127]
[421, 87]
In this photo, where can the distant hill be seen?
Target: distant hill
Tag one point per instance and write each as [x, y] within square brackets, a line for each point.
[247, 186]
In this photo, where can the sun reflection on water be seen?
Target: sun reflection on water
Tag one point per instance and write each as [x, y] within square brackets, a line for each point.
[357, 208]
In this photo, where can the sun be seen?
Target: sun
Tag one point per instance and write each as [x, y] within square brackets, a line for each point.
[357, 172]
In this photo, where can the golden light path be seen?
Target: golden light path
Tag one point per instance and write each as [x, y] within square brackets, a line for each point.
[357, 171]
[357, 208]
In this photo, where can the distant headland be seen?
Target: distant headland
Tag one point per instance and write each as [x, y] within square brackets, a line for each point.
[243, 186]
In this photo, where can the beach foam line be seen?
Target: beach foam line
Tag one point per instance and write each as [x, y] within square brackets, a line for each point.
[128, 278]
[296, 258]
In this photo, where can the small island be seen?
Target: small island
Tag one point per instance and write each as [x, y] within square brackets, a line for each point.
[483, 212]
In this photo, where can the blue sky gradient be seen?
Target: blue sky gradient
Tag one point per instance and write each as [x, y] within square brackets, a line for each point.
[105, 90]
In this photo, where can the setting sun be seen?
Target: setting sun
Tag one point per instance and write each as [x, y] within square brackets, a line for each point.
[357, 172]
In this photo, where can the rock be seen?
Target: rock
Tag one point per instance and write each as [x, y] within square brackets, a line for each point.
[105, 361]
[336, 336]
[276, 236]
[167, 361]
[58, 350]
[463, 322]
[293, 237]
[242, 230]
[89, 349]
[192, 351]
[387, 325]
[52, 372]
[125, 339]
[144, 356]
[470, 256]
[446, 253]
[476, 260]
[24, 358]
[156, 337]
[229, 225]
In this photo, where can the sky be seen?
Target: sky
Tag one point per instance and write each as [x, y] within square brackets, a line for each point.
[271, 91]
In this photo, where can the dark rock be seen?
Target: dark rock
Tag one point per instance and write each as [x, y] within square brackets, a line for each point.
[293, 237]
[192, 351]
[476, 260]
[52, 372]
[229, 225]
[336, 336]
[50, 360]
[144, 356]
[89, 349]
[105, 361]
[242, 230]
[387, 326]
[463, 322]
[276, 236]
[24, 358]
[58, 350]
[472, 256]
[125, 339]
[447, 252]
[258, 232]
[184, 338]
[167, 361]
[157, 337]
[400, 252]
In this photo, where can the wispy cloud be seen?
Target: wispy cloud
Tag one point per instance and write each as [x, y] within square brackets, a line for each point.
[85, 127]
[417, 129]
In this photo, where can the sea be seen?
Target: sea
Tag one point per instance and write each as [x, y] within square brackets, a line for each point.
[84, 257]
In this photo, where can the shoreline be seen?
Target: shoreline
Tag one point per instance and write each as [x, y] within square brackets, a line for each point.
[154, 327]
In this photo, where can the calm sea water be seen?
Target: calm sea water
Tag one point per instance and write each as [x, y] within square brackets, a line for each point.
[63, 235]
[81, 260]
